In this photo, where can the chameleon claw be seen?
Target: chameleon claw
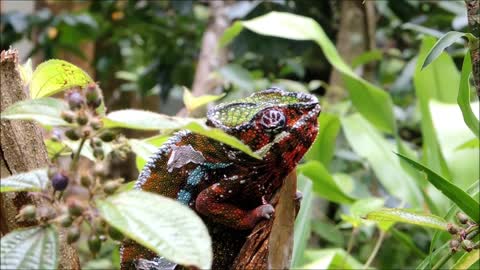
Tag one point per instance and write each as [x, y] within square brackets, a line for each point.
[265, 211]
[298, 195]
[264, 201]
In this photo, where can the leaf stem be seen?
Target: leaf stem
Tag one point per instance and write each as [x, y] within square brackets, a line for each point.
[375, 249]
[442, 261]
[74, 164]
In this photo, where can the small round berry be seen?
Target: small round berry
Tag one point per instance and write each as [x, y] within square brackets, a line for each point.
[107, 136]
[462, 218]
[75, 100]
[98, 153]
[467, 245]
[59, 181]
[73, 134]
[29, 212]
[95, 142]
[73, 234]
[65, 220]
[96, 124]
[93, 95]
[111, 186]
[68, 116]
[452, 228]
[454, 245]
[94, 244]
[82, 118]
[75, 207]
[86, 181]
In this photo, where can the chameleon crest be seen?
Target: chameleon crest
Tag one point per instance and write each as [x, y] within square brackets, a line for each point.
[227, 188]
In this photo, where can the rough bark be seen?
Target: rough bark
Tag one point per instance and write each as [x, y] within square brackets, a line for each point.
[22, 149]
[473, 10]
[356, 35]
[270, 244]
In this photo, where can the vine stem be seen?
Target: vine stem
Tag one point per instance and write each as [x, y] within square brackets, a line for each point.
[74, 164]
[375, 249]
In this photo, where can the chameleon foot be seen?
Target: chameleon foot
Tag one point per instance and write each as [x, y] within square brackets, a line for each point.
[265, 211]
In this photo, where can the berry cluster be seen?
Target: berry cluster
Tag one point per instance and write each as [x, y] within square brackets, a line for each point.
[75, 187]
[463, 233]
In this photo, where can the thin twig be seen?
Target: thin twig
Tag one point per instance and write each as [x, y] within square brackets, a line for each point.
[375, 250]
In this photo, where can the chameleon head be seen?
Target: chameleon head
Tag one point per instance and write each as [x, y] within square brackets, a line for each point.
[270, 121]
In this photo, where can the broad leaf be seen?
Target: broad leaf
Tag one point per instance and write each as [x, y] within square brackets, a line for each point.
[454, 193]
[324, 146]
[221, 136]
[368, 143]
[463, 98]
[192, 103]
[371, 101]
[407, 216]
[328, 232]
[32, 248]
[362, 207]
[323, 183]
[46, 111]
[143, 120]
[54, 76]
[31, 181]
[161, 224]
[442, 43]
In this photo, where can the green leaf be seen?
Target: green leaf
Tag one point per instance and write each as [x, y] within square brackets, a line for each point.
[30, 181]
[221, 136]
[333, 258]
[302, 222]
[46, 111]
[238, 76]
[161, 224]
[463, 98]
[408, 216]
[32, 248]
[372, 102]
[362, 207]
[434, 82]
[444, 42]
[323, 183]
[143, 120]
[230, 33]
[54, 76]
[368, 143]
[56, 148]
[473, 143]
[146, 148]
[324, 146]
[192, 103]
[467, 260]
[367, 57]
[451, 132]
[328, 232]
[407, 240]
[454, 193]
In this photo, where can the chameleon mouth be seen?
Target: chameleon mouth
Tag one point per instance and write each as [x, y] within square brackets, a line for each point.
[238, 113]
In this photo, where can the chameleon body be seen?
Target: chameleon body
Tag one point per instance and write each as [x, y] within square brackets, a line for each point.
[229, 189]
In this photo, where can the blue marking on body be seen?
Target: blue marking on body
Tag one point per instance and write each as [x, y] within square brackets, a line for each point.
[184, 196]
[196, 176]
[213, 166]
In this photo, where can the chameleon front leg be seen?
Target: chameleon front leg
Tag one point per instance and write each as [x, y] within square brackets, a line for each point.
[212, 203]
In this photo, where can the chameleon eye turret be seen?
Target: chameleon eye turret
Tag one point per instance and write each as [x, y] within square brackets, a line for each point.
[229, 189]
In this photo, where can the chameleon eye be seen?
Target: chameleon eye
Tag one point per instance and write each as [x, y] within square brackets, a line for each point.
[272, 119]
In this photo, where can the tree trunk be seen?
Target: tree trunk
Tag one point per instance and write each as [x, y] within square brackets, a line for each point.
[355, 36]
[21, 150]
[270, 244]
[473, 10]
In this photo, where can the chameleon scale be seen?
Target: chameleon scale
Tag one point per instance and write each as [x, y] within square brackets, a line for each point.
[227, 188]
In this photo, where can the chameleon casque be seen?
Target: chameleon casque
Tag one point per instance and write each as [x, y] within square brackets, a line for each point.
[229, 189]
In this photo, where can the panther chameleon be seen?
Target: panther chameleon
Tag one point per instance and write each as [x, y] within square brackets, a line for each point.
[229, 189]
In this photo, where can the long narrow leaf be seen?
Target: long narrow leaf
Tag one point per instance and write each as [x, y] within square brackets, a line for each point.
[454, 193]
[463, 98]
[445, 41]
